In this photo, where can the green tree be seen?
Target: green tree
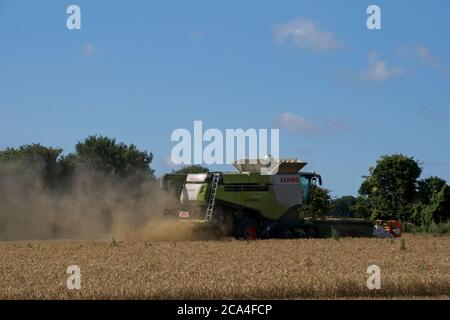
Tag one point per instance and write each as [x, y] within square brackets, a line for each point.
[191, 169]
[106, 155]
[318, 204]
[343, 207]
[428, 187]
[433, 203]
[34, 161]
[361, 208]
[390, 187]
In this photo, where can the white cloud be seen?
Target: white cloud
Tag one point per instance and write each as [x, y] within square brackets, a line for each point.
[305, 33]
[88, 49]
[425, 55]
[294, 123]
[378, 70]
[196, 35]
[422, 54]
[299, 125]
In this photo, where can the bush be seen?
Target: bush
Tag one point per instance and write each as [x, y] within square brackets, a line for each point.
[343, 207]
[33, 163]
[408, 227]
[335, 234]
[431, 228]
[318, 203]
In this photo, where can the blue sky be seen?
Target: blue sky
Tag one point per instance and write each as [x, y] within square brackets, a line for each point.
[342, 94]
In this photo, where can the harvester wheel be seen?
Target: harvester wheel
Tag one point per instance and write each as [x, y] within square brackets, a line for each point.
[248, 229]
[311, 232]
[224, 222]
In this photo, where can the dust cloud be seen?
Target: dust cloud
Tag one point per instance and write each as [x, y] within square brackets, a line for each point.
[90, 207]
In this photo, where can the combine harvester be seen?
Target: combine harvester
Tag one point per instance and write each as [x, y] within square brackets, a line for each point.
[250, 205]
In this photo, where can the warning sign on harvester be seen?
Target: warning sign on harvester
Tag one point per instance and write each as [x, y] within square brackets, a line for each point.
[183, 214]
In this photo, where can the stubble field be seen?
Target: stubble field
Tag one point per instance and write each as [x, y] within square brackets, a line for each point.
[270, 269]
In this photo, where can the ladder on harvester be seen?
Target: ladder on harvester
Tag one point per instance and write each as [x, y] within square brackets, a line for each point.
[212, 197]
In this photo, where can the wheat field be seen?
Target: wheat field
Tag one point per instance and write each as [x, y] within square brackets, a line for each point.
[227, 269]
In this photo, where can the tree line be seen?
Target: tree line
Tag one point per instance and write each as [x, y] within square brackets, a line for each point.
[392, 189]
[99, 154]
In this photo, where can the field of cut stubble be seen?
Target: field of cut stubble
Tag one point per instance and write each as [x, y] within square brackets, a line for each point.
[319, 268]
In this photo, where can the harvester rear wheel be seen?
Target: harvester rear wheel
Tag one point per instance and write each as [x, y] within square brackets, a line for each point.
[311, 232]
[248, 229]
[224, 222]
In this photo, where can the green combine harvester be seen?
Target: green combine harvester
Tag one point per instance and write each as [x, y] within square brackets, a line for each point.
[250, 204]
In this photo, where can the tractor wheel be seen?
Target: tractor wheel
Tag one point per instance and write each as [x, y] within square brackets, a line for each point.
[248, 229]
